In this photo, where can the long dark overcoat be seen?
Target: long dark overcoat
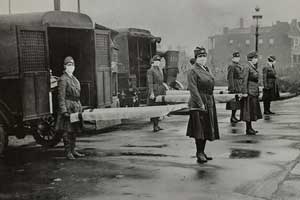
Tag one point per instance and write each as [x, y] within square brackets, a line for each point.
[68, 102]
[202, 124]
[250, 108]
[270, 91]
[155, 80]
[235, 80]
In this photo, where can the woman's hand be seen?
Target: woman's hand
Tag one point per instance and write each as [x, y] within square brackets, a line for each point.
[202, 107]
[244, 95]
[152, 96]
[66, 115]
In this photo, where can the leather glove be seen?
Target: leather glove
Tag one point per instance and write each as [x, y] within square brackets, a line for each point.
[152, 96]
[203, 108]
[66, 115]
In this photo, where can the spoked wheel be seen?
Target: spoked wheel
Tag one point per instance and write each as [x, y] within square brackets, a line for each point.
[45, 133]
[3, 140]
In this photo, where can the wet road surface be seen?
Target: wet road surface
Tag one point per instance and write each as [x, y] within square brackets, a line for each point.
[132, 162]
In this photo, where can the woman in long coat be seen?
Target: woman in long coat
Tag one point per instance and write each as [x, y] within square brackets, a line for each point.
[155, 79]
[69, 102]
[250, 108]
[270, 91]
[234, 78]
[203, 123]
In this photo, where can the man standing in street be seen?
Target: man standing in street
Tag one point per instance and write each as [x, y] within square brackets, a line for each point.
[235, 79]
[270, 91]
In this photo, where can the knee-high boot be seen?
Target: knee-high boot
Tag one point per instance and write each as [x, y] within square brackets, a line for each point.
[267, 107]
[200, 145]
[249, 129]
[73, 146]
[155, 121]
[67, 145]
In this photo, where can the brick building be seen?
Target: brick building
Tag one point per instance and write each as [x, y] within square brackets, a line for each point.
[282, 39]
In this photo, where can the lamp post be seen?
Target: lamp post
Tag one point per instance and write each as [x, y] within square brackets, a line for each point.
[78, 6]
[256, 17]
[9, 6]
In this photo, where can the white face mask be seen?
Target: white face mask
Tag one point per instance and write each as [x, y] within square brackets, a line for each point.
[236, 59]
[274, 62]
[156, 63]
[69, 69]
[201, 60]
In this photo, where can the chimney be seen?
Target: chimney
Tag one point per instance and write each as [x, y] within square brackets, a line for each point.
[78, 6]
[241, 22]
[294, 22]
[57, 5]
[225, 30]
[9, 6]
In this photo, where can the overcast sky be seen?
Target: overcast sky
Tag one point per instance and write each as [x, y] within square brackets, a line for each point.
[187, 23]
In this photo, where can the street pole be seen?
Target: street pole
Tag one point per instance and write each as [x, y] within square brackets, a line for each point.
[9, 6]
[57, 5]
[256, 36]
[78, 4]
[256, 17]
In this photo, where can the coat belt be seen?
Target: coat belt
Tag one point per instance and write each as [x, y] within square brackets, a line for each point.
[73, 98]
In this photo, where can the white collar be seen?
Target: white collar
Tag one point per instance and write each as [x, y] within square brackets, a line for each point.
[70, 75]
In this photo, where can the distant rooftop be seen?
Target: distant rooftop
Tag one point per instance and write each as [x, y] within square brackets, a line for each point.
[292, 29]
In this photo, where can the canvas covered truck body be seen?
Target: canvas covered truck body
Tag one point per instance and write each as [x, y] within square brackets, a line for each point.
[32, 49]
[136, 48]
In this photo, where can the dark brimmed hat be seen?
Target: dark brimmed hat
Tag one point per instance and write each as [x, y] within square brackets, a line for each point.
[271, 58]
[68, 59]
[236, 54]
[252, 55]
[200, 51]
[155, 58]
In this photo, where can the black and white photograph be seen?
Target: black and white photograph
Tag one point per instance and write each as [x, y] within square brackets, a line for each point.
[149, 100]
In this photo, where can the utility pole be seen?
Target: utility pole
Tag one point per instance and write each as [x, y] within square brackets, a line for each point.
[57, 5]
[78, 4]
[256, 17]
[9, 6]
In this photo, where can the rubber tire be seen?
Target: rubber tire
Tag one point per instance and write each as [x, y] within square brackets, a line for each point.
[3, 140]
[45, 142]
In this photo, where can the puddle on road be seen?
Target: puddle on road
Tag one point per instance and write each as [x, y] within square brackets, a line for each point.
[203, 174]
[267, 118]
[147, 146]
[103, 153]
[236, 131]
[30, 173]
[235, 128]
[244, 153]
[91, 141]
[246, 141]
[143, 154]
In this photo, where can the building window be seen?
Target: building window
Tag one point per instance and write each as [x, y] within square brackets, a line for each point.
[260, 41]
[230, 41]
[247, 42]
[296, 42]
[271, 41]
[296, 60]
[173, 59]
[212, 43]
